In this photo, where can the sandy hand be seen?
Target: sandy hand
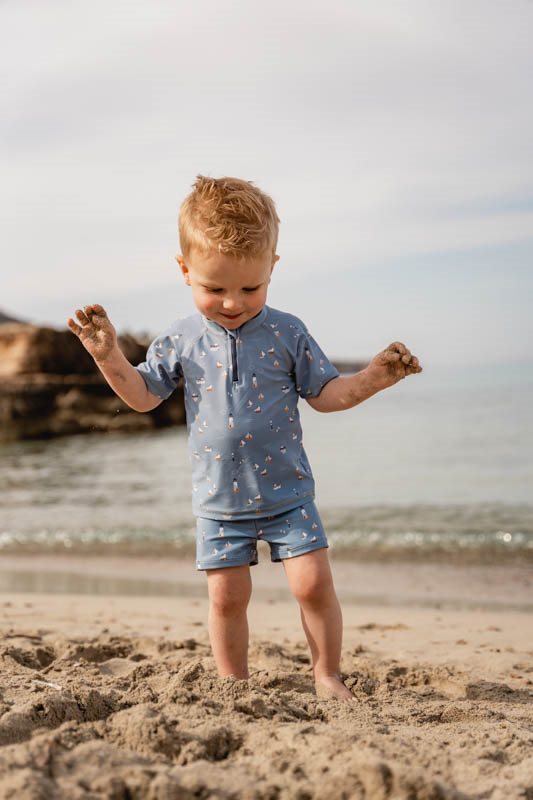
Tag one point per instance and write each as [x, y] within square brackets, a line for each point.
[95, 331]
[393, 364]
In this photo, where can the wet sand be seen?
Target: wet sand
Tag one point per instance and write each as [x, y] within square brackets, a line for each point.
[108, 688]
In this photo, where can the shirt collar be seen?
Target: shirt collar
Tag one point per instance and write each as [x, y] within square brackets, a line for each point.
[249, 326]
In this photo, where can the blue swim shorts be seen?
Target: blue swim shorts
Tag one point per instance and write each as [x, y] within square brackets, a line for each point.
[222, 543]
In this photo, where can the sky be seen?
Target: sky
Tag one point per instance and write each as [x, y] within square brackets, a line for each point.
[396, 139]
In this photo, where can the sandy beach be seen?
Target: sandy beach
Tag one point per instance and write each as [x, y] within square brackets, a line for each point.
[108, 688]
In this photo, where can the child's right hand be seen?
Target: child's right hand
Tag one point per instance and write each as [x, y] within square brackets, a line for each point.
[95, 331]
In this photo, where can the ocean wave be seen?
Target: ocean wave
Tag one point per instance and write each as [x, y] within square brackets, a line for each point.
[480, 532]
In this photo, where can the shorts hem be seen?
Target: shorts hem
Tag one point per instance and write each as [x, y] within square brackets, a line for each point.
[300, 551]
[201, 566]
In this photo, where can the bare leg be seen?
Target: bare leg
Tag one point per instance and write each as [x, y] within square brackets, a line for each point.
[311, 582]
[230, 589]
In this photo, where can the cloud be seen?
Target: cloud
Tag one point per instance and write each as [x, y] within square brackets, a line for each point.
[383, 131]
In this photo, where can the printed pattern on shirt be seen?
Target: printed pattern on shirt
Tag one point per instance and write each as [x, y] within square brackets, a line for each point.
[245, 436]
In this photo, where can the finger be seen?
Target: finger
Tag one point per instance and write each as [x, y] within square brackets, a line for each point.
[82, 318]
[93, 309]
[97, 315]
[389, 356]
[90, 311]
[411, 370]
[398, 347]
[414, 361]
[73, 327]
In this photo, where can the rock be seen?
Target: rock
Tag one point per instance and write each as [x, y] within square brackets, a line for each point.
[52, 387]
[6, 318]
[31, 350]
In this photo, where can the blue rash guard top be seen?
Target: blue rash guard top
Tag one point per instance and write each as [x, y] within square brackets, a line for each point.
[241, 400]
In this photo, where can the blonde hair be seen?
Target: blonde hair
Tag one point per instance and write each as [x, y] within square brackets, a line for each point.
[230, 216]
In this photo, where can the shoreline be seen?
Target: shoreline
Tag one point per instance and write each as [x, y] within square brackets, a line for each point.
[501, 587]
[430, 554]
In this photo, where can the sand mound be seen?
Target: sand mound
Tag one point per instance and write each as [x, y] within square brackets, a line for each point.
[149, 719]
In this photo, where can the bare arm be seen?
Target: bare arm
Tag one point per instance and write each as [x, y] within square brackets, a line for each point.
[344, 392]
[385, 369]
[127, 382]
[99, 338]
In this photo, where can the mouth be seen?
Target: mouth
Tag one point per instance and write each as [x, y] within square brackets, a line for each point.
[232, 316]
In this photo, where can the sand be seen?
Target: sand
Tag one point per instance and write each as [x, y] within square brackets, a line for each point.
[108, 688]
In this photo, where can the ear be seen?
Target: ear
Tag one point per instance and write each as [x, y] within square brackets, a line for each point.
[184, 268]
[274, 260]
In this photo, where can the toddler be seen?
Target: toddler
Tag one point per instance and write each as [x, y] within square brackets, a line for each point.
[244, 366]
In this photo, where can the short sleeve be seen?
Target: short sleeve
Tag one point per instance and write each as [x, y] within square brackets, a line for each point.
[162, 369]
[312, 369]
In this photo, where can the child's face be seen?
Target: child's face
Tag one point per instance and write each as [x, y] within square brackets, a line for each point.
[225, 290]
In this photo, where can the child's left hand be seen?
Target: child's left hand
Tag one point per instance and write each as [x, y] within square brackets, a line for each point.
[392, 364]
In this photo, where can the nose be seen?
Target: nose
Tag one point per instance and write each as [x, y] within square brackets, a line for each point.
[230, 303]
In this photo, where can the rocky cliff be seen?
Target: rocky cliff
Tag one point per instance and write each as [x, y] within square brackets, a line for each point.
[50, 386]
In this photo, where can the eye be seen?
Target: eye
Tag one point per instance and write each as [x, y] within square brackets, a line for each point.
[215, 291]
[251, 290]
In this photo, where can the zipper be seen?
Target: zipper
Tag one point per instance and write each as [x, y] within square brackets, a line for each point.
[234, 368]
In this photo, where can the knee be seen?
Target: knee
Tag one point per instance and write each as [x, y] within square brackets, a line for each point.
[229, 601]
[314, 591]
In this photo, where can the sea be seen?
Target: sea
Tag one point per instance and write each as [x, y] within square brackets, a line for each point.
[439, 465]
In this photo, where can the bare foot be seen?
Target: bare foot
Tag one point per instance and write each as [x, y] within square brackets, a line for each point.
[331, 686]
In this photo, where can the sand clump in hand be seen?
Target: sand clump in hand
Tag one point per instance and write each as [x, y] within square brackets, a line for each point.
[149, 719]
